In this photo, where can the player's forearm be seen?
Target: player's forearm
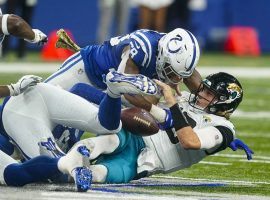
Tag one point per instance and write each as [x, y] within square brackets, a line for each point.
[193, 82]
[186, 136]
[18, 27]
[4, 91]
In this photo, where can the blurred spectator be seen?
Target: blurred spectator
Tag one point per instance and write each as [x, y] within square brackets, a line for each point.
[178, 15]
[153, 13]
[113, 15]
[24, 8]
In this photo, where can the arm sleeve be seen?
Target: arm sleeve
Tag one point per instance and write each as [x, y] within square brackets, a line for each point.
[209, 137]
[136, 53]
[88, 92]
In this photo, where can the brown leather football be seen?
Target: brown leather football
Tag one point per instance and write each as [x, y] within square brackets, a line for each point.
[138, 121]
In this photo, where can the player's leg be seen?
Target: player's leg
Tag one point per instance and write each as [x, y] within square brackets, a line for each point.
[73, 111]
[5, 161]
[106, 144]
[121, 165]
[43, 168]
[110, 104]
[71, 72]
[5, 145]
[26, 121]
[118, 84]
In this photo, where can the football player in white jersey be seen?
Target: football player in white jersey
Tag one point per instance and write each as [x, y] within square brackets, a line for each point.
[40, 108]
[14, 25]
[14, 174]
[195, 125]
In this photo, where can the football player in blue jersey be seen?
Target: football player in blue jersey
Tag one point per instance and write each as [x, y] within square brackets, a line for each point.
[14, 25]
[167, 57]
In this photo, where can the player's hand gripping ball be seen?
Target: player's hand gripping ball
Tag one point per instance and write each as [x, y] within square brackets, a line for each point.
[139, 122]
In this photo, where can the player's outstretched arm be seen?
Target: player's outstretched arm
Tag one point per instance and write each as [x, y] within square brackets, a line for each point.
[193, 82]
[18, 27]
[19, 87]
[186, 136]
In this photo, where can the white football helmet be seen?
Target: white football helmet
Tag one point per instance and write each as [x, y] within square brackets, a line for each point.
[178, 55]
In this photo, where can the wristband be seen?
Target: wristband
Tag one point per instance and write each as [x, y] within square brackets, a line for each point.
[4, 24]
[11, 90]
[179, 119]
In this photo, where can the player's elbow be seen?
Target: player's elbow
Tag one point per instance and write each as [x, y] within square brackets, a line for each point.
[188, 139]
[189, 145]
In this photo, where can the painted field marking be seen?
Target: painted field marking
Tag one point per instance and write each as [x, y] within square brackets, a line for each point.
[255, 161]
[214, 163]
[251, 115]
[240, 156]
[241, 182]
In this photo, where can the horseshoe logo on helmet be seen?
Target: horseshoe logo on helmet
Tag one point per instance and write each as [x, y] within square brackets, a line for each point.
[173, 45]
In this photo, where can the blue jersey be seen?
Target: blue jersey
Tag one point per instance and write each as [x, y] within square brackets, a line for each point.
[98, 59]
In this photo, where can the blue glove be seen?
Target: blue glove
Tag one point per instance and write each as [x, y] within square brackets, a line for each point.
[168, 123]
[239, 144]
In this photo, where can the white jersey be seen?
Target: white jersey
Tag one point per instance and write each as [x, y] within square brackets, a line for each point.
[163, 150]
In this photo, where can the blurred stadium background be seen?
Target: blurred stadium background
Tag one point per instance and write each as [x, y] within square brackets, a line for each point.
[243, 52]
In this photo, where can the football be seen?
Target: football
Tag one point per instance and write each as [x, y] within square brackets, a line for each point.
[138, 121]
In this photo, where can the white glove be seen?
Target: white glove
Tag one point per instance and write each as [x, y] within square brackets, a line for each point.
[24, 83]
[40, 37]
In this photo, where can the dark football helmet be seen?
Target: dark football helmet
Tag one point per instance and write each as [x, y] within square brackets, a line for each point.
[228, 94]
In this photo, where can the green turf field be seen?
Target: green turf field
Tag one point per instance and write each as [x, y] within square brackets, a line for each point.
[243, 177]
[254, 131]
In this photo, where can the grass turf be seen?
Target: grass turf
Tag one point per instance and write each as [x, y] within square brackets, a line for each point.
[255, 132]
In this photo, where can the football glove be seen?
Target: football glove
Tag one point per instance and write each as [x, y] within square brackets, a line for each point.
[168, 123]
[24, 83]
[40, 37]
[239, 144]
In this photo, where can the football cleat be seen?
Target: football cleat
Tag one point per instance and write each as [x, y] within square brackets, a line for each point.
[48, 147]
[119, 84]
[83, 178]
[75, 163]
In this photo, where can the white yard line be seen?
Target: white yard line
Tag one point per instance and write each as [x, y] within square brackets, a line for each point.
[214, 163]
[243, 72]
[255, 161]
[251, 115]
[240, 156]
[249, 72]
[214, 180]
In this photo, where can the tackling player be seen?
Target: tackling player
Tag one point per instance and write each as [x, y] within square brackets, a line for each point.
[168, 57]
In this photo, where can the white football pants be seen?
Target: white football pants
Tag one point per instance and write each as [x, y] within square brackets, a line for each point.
[71, 72]
[32, 115]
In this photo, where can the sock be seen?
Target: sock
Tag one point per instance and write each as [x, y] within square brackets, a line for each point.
[110, 112]
[37, 169]
[5, 145]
